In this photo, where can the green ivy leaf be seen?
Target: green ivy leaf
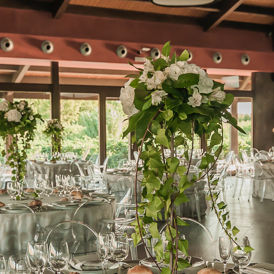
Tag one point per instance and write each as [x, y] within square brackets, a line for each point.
[153, 229]
[182, 116]
[186, 80]
[172, 163]
[181, 198]
[248, 249]
[136, 238]
[182, 264]
[235, 230]
[221, 205]
[228, 99]
[161, 137]
[160, 64]
[228, 224]
[168, 114]
[166, 49]
[166, 270]
[184, 56]
[183, 246]
[147, 104]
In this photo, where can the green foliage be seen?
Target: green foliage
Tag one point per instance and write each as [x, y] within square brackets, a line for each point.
[175, 121]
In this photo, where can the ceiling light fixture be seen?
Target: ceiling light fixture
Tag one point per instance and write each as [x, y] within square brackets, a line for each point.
[178, 3]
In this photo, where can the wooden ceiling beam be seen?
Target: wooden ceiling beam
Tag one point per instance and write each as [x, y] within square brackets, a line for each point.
[228, 7]
[19, 74]
[59, 8]
[245, 82]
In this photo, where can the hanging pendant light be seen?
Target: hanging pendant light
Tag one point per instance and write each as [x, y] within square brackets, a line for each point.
[178, 3]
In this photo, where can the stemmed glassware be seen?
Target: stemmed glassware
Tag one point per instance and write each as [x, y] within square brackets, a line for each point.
[36, 256]
[104, 248]
[240, 256]
[224, 249]
[120, 247]
[58, 255]
[17, 264]
[3, 265]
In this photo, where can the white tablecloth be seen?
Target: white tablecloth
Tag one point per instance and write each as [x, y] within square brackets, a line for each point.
[264, 174]
[18, 228]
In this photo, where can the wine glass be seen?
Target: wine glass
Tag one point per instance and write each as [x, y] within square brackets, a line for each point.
[224, 249]
[58, 255]
[240, 256]
[17, 264]
[104, 248]
[3, 265]
[36, 256]
[120, 246]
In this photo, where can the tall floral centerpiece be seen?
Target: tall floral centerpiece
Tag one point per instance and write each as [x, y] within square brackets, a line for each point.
[18, 121]
[54, 129]
[169, 103]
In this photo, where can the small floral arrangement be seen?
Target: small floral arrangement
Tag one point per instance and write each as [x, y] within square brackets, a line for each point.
[169, 103]
[54, 129]
[18, 121]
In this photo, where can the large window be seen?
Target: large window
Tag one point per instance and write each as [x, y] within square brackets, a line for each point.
[79, 116]
[117, 147]
[245, 122]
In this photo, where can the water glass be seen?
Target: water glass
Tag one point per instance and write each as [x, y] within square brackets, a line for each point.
[58, 255]
[104, 248]
[17, 264]
[120, 246]
[36, 256]
[241, 258]
[224, 249]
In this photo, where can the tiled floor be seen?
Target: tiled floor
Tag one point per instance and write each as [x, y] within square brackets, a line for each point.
[254, 219]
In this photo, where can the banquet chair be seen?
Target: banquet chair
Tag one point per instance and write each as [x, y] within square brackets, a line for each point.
[244, 172]
[81, 238]
[263, 175]
[198, 236]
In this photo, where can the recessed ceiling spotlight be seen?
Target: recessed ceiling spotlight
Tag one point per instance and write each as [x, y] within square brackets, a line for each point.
[6, 44]
[178, 3]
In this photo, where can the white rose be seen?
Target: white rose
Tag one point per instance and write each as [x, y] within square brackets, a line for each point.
[127, 99]
[205, 84]
[157, 96]
[31, 118]
[13, 115]
[143, 78]
[159, 77]
[21, 105]
[174, 72]
[181, 64]
[148, 67]
[156, 80]
[195, 100]
[4, 105]
[217, 95]
[151, 83]
[192, 68]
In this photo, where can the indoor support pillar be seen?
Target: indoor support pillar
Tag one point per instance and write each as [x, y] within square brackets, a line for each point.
[55, 92]
[234, 145]
[102, 128]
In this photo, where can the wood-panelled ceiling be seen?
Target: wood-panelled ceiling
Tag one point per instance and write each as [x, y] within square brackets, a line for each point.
[246, 14]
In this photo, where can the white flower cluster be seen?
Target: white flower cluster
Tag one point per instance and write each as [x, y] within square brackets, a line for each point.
[14, 112]
[54, 124]
[202, 92]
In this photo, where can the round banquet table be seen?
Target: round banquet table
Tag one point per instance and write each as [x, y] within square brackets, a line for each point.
[264, 178]
[119, 182]
[17, 227]
[51, 169]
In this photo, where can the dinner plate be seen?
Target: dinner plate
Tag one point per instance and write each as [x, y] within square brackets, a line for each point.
[15, 208]
[66, 204]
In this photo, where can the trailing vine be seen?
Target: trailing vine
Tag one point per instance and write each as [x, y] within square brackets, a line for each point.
[169, 103]
[19, 122]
